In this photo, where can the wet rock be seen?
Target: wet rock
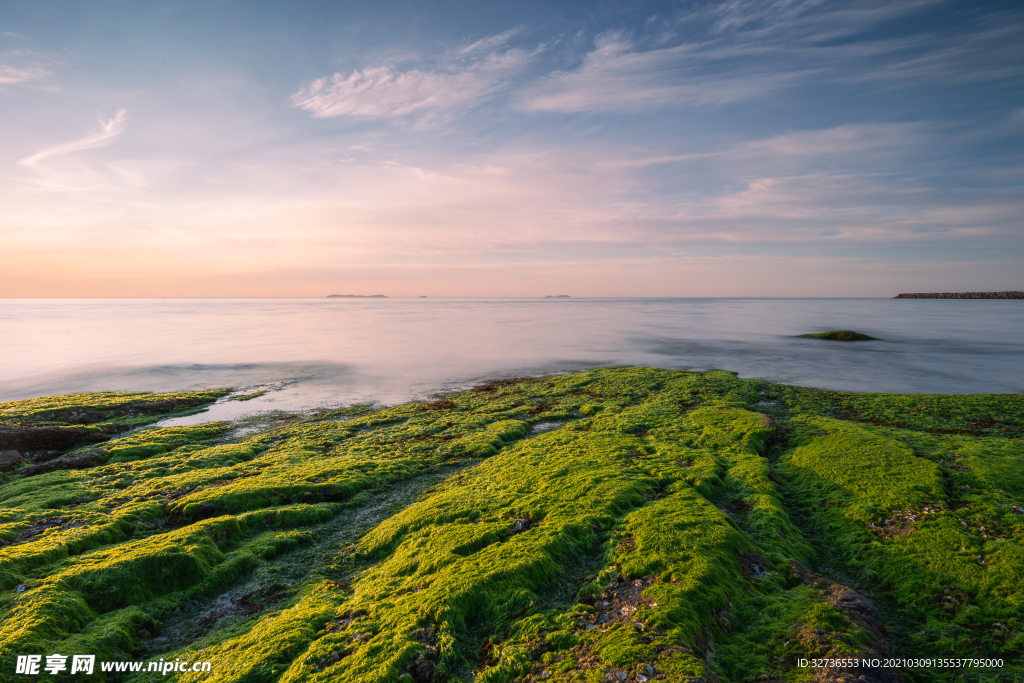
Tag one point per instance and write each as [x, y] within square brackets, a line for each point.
[740, 505]
[846, 599]
[46, 438]
[10, 460]
[207, 510]
[859, 609]
[41, 525]
[753, 565]
[76, 461]
[521, 524]
[422, 671]
[839, 335]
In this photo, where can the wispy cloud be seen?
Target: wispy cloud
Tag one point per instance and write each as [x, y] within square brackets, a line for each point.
[491, 42]
[20, 66]
[805, 146]
[993, 52]
[740, 50]
[109, 129]
[817, 20]
[425, 94]
[847, 139]
[618, 76]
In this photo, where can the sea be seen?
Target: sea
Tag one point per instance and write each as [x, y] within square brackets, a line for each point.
[313, 353]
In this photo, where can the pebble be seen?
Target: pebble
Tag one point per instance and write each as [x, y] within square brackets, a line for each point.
[21, 588]
[641, 678]
[622, 675]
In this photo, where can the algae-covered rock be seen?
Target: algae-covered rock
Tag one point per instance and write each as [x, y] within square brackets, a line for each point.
[659, 525]
[839, 335]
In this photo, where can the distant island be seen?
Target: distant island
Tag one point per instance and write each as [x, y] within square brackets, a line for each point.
[963, 295]
[356, 296]
[558, 296]
[839, 335]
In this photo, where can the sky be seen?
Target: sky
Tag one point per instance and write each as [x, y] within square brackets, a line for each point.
[708, 149]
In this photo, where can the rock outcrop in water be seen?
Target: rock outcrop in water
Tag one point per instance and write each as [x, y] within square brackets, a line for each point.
[963, 295]
[656, 526]
[839, 335]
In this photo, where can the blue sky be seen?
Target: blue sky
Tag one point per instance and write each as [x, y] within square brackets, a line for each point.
[598, 149]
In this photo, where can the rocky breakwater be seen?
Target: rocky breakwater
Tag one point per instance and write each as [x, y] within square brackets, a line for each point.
[962, 295]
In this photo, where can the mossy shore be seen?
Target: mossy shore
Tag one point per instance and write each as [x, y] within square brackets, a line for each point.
[627, 524]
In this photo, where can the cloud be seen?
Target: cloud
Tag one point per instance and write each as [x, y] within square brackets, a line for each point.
[845, 139]
[852, 141]
[809, 19]
[492, 42]
[994, 52]
[857, 209]
[109, 129]
[19, 66]
[741, 50]
[617, 76]
[386, 92]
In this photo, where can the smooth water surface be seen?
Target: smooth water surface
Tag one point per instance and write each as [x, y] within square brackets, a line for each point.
[316, 352]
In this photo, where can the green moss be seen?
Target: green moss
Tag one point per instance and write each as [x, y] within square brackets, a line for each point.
[132, 408]
[249, 396]
[944, 541]
[669, 495]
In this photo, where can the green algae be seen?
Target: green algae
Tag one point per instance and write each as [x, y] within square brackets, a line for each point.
[103, 407]
[655, 523]
[944, 542]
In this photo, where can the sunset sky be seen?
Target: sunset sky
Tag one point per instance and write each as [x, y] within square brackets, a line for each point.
[777, 148]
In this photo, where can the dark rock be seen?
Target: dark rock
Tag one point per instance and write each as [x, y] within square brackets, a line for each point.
[10, 460]
[962, 295]
[859, 609]
[422, 671]
[76, 461]
[839, 335]
[47, 438]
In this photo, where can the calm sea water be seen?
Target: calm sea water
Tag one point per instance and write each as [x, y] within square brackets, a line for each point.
[316, 352]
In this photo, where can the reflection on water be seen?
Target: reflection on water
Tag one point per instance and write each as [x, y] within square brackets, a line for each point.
[314, 352]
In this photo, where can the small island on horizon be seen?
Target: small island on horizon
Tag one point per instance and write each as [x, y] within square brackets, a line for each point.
[962, 295]
[557, 296]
